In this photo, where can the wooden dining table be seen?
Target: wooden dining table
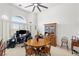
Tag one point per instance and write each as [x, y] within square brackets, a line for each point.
[34, 43]
[39, 43]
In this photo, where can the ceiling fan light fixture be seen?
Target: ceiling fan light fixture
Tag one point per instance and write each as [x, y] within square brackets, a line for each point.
[19, 5]
[35, 4]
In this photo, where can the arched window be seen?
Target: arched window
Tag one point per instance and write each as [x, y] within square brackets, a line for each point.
[17, 23]
[18, 19]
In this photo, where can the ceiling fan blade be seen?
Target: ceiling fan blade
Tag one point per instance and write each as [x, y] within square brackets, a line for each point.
[39, 8]
[33, 8]
[28, 6]
[43, 6]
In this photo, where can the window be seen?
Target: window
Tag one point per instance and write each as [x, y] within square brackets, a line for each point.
[17, 23]
[18, 19]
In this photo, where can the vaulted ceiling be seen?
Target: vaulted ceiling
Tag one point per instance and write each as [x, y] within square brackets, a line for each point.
[23, 5]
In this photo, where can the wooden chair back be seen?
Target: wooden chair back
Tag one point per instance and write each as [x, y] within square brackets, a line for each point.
[74, 42]
[46, 49]
[2, 48]
[28, 50]
[52, 39]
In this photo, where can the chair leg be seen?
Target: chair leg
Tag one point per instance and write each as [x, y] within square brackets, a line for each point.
[4, 52]
[49, 53]
[67, 47]
[1, 53]
[25, 54]
[61, 44]
[72, 52]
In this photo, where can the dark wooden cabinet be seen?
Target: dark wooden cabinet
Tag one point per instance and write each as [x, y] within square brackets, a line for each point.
[51, 28]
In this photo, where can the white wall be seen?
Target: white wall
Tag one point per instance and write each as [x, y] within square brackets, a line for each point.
[11, 10]
[32, 18]
[67, 18]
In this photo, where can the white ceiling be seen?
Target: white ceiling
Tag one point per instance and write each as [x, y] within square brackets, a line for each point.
[22, 6]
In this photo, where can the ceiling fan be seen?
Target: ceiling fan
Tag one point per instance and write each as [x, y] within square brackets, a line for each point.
[36, 5]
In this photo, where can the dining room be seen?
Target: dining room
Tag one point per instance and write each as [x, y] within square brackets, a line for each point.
[39, 29]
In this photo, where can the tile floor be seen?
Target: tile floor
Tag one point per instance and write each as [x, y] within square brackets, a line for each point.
[55, 51]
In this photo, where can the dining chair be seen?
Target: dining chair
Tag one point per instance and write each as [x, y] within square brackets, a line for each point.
[2, 48]
[46, 50]
[64, 42]
[29, 51]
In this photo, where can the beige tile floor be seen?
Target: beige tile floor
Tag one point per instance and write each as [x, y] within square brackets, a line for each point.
[55, 51]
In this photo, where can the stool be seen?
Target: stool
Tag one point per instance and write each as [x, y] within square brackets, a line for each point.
[64, 42]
